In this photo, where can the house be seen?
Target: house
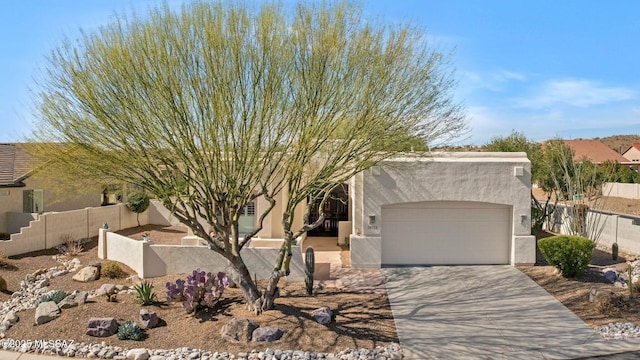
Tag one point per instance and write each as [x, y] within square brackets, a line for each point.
[26, 190]
[438, 209]
[632, 154]
[594, 151]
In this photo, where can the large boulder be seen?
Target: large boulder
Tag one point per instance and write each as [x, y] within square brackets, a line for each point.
[101, 327]
[322, 315]
[148, 319]
[73, 300]
[238, 330]
[268, 334]
[86, 274]
[46, 312]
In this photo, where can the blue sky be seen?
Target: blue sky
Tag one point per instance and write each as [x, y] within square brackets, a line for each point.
[547, 68]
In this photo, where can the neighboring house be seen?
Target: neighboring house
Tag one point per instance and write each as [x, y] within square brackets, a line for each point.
[594, 151]
[632, 153]
[445, 208]
[26, 190]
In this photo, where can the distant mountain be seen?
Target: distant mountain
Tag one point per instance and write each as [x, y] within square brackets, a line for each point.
[620, 143]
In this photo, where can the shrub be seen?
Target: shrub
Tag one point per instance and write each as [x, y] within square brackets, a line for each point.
[71, 246]
[5, 236]
[145, 294]
[138, 203]
[200, 289]
[129, 330]
[569, 254]
[55, 296]
[112, 270]
[3, 284]
[614, 305]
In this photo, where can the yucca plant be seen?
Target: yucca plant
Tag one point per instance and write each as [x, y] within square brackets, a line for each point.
[129, 330]
[145, 294]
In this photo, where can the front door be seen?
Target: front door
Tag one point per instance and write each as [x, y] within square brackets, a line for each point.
[335, 208]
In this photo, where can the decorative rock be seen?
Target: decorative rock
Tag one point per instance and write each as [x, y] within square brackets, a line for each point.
[46, 312]
[611, 276]
[101, 327]
[86, 274]
[138, 354]
[148, 319]
[106, 289]
[11, 317]
[268, 334]
[60, 273]
[73, 300]
[322, 315]
[238, 330]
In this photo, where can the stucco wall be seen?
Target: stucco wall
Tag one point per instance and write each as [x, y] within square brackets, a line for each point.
[628, 191]
[49, 229]
[149, 260]
[495, 178]
[605, 228]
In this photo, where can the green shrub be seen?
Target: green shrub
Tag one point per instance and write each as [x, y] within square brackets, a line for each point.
[55, 296]
[145, 294]
[129, 330]
[569, 254]
[112, 270]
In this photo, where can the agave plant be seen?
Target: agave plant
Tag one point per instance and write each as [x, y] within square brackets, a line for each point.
[145, 294]
[129, 330]
[55, 296]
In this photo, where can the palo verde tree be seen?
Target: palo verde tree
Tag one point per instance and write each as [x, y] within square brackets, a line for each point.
[372, 122]
[518, 142]
[219, 104]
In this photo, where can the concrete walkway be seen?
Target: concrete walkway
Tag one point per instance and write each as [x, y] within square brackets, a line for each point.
[492, 312]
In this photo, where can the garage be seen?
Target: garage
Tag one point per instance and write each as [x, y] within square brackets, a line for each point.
[445, 233]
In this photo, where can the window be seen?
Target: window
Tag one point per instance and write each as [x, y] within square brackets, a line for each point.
[246, 223]
[33, 201]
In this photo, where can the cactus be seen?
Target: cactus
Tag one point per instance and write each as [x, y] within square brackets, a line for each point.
[310, 260]
[129, 330]
[630, 280]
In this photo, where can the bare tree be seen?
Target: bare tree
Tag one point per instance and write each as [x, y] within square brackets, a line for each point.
[576, 184]
[220, 104]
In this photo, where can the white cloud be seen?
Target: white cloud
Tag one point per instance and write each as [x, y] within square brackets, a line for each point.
[495, 81]
[576, 93]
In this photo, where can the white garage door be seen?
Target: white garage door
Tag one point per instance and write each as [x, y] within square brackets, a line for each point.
[445, 233]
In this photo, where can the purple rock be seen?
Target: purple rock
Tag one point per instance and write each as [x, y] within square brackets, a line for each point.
[268, 334]
[322, 315]
[101, 327]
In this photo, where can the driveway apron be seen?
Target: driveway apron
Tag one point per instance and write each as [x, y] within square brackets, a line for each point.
[445, 312]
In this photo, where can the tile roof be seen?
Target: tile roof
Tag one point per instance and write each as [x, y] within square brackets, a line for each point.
[594, 150]
[15, 164]
[634, 145]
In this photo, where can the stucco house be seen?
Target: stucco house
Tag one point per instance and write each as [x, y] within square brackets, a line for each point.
[442, 208]
[632, 153]
[594, 151]
[27, 190]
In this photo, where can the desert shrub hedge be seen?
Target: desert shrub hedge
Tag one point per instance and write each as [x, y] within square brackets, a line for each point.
[569, 254]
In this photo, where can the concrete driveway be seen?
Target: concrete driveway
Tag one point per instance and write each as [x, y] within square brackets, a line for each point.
[446, 312]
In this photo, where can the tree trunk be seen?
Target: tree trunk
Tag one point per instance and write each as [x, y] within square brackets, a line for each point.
[242, 278]
[271, 293]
